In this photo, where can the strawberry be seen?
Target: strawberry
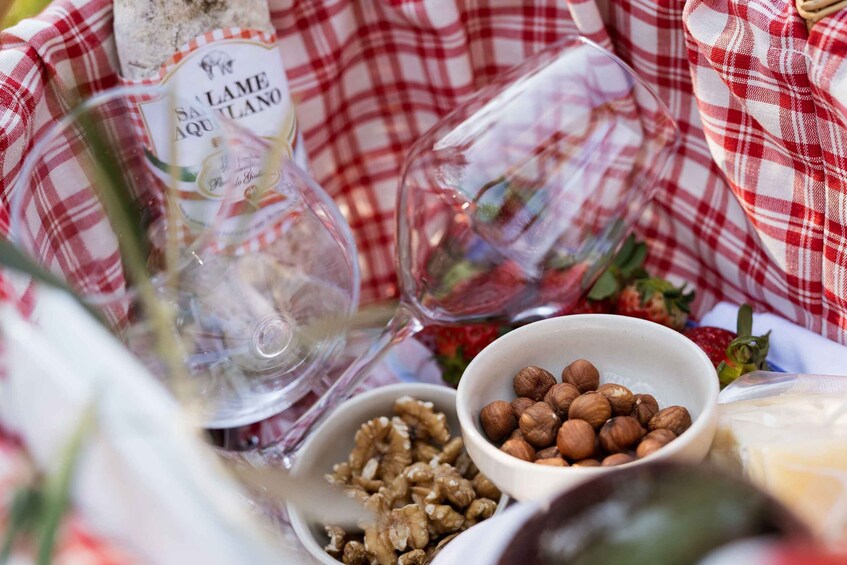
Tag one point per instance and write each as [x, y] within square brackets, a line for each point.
[733, 354]
[713, 341]
[588, 306]
[454, 347]
[561, 288]
[656, 300]
[470, 290]
[745, 353]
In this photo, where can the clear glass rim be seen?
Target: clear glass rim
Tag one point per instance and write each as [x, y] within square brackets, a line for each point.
[499, 81]
[40, 147]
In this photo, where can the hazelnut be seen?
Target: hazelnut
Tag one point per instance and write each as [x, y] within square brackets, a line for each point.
[547, 452]
[620, 433]
[644, 408]
[521, 404]
[520, 449]
[552, 462]
[620, 398]
[673, 418]
[539, 424]
[648, 446]
[575, 439]
[587, 463]
[498, 420]
[662, 435]
[560, 396]
[517, 434]
[592, 407]
[533, 382]
[582, 374]
[617, 459]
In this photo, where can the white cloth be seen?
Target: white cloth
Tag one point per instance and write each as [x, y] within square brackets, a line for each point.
[143, 480]
[793, 349]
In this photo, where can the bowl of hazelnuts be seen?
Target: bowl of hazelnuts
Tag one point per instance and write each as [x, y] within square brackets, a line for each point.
[559, 401]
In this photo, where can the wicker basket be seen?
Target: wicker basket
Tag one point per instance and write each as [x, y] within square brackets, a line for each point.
[814, 10]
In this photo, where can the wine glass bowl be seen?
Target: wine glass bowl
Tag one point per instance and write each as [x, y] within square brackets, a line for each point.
[248, 254]
[513, 204]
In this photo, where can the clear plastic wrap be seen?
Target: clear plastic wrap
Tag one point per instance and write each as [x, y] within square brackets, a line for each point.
[787, 433]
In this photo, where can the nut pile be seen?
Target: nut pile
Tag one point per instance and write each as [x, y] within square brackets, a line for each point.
[418, 480]
[578, 421]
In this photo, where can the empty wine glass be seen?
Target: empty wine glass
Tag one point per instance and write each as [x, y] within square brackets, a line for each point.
[515, 202]
[251, 257]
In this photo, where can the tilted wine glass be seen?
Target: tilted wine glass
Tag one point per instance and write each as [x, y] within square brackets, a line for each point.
[241, 246]
[513, 204]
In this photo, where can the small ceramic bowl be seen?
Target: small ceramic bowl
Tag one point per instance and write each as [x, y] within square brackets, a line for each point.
[332, 442]
[643, 356]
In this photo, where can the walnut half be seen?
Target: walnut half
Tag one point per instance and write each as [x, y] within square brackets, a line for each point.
[419, 484]
[394, 529]
[385, 441]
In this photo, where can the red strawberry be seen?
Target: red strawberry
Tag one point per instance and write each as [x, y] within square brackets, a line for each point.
[456, 346]
[656, 300]
[474, 292]
[561, 288]
[745, 353]
[588, 306]
[713, 341]
[733, 354]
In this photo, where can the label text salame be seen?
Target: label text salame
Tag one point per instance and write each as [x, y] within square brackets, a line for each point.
[236, 100]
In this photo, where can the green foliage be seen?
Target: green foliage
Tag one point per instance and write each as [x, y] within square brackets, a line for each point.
[37, 508]
[625, 267]
[18, 10]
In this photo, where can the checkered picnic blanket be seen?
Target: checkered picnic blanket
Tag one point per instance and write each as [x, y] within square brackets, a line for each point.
[751, 207]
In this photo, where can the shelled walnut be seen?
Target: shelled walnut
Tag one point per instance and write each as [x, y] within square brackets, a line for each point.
[417, 480]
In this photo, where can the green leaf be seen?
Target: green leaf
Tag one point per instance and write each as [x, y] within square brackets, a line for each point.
[745, 321]
[625, 252]
[56, 492]
[184, 174]
[635, 260]
[727, 373]
[605, 287]
[14, 258]
[23, 515]
[639, 273]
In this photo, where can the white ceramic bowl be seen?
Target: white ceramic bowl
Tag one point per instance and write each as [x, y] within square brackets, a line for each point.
[643, 356]
[332, 442]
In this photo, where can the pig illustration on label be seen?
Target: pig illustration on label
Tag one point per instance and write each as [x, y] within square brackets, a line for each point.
[216, 60]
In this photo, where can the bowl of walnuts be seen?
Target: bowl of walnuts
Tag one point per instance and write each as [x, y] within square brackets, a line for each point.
[559, 401]
[396, 449]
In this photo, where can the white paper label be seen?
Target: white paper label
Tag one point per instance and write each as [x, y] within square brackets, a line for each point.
[243, 80]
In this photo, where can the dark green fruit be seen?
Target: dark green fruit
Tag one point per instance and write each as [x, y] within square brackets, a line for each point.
[660, 514]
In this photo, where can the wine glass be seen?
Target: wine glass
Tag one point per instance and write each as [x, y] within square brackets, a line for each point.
[250, 257]
[513, 204]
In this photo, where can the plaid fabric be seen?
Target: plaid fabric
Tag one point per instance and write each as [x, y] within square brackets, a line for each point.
[772, 98]
[750, 211]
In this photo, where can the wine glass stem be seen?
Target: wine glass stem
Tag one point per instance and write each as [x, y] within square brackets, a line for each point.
[403, 324]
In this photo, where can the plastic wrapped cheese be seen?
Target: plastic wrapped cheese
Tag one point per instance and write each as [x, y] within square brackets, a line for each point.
[788, 434]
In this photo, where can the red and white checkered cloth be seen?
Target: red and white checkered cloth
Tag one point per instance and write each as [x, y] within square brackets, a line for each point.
[750, 211]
